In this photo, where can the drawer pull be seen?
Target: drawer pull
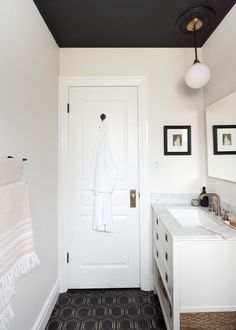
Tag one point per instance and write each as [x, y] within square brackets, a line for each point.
[157, 254]
[166, 255]
[166, 276]
[157, 221]
[157, 236]
[166, 237]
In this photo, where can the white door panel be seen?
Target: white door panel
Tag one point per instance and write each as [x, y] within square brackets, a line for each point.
[97, 259]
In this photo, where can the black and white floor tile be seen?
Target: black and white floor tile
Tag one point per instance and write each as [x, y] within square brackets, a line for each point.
[121, 309]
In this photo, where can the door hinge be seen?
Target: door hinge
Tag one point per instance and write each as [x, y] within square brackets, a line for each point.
[139, 195]
[68, 108]
[68, 257]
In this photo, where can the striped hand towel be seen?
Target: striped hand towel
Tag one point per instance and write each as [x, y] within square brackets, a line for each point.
[17, 255]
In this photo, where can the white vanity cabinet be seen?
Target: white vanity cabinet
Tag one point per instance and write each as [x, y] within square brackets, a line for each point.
[194, 272]
[163, 268]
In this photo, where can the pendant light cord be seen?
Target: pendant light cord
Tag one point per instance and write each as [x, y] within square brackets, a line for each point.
[195, 43]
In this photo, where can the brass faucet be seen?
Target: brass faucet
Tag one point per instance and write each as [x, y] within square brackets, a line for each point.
[218, 207]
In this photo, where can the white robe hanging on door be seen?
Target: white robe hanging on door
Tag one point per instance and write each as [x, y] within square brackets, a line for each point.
[102, 181]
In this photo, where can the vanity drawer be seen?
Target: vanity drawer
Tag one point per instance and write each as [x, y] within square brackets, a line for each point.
[162, 234]
[162, 240]
[163, 269]
[164, 300]
[166, 254]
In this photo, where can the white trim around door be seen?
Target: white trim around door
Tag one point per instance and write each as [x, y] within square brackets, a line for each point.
[145, 245]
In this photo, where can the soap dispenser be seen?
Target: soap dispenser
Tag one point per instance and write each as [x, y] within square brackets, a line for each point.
[204, 198]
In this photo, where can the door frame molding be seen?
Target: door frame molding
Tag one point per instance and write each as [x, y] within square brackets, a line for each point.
[146, 278]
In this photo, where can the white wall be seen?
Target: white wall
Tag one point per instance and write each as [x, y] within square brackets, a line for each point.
[29, 69]
[219, 52]
[170, 102]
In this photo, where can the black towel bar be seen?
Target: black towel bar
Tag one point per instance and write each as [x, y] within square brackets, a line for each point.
[23, 159]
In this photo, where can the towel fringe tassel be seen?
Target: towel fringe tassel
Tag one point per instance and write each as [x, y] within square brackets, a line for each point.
[7, 285]
[5, 317]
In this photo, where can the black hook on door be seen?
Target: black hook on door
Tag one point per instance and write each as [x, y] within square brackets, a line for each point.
[103, 116]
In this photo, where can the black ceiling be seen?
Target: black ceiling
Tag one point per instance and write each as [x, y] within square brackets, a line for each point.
[125, 23]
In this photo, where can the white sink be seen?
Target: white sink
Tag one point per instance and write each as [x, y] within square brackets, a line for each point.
[190, 217]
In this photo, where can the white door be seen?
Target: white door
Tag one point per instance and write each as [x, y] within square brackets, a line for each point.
[99, 259]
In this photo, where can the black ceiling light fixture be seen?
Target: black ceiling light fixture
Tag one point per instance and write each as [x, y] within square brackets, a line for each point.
[192, 21]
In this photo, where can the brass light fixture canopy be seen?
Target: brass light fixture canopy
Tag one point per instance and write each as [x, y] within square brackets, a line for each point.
[198, 17]
[196, 23]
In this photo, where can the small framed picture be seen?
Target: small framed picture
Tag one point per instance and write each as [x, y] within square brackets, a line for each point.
[224, 139]
[177, 140]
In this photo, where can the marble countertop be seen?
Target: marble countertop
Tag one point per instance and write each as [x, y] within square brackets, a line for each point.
[179, 232]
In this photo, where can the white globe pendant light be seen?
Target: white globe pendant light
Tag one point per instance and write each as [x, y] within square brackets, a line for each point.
[198, 74]
[190, 22]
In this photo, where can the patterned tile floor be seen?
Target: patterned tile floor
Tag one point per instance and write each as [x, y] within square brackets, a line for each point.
[124, 309]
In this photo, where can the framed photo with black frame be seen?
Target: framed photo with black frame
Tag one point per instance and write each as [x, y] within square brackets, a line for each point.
[177, 140]
[224, 139]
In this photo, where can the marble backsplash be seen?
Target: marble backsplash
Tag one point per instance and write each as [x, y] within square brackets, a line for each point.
[185, 198]
[173, 198]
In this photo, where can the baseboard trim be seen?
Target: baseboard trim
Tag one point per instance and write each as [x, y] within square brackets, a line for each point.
[47, 309]
[151, 282]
